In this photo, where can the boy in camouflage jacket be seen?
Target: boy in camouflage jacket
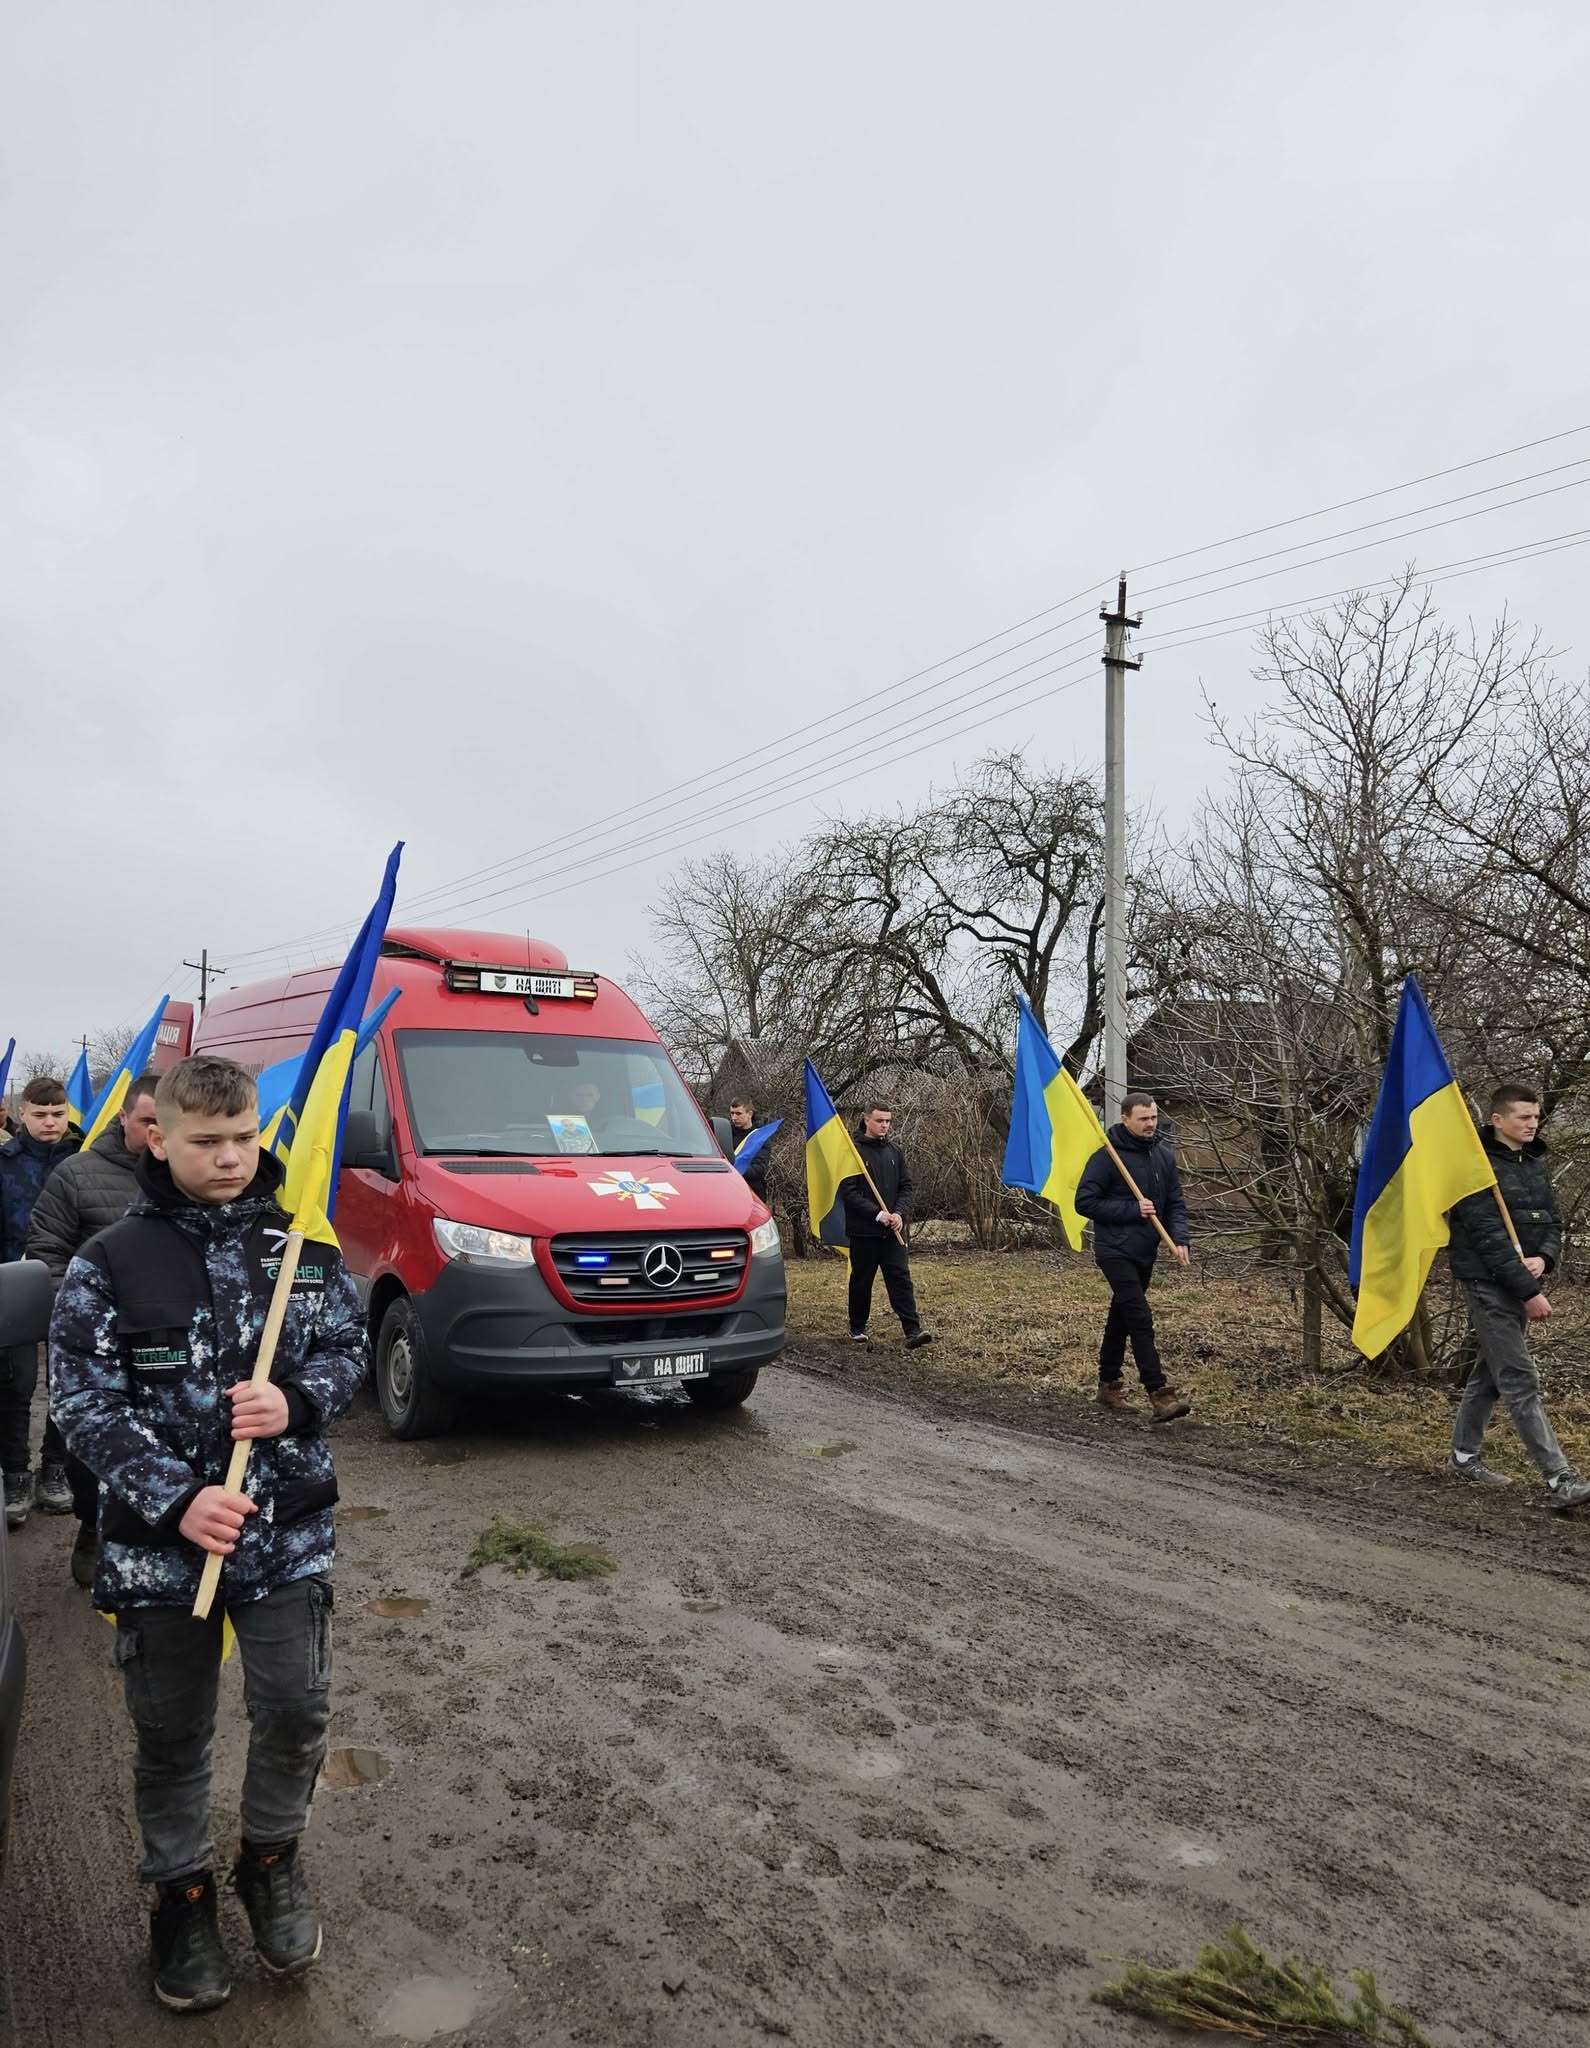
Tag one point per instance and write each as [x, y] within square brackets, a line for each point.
[156, 1330]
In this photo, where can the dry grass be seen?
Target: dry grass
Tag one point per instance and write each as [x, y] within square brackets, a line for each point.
[1028, 1324]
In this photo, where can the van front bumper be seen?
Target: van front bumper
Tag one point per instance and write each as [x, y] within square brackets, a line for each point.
[491, 1327]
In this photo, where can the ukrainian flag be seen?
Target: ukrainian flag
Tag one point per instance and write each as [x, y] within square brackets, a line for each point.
[1053, 1130]
[754, 1141]
[1422, 1154]
[134, 1061]
[276, 1084]
[309, 1134]
[80, 1090]
[5, 1068]
[831, 1157]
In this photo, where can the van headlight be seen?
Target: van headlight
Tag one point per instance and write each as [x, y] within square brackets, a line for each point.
[765, 1237]
[484, 1247]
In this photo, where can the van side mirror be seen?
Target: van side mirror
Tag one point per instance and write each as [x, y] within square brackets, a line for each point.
[362, 1144]
[723, 1131]
[27, 1294]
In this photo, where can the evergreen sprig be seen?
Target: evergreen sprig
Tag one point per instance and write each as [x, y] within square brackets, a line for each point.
[1236, 1989]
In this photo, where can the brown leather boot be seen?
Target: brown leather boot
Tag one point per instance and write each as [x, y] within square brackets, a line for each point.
[1168, 1405]
[1112, 1395]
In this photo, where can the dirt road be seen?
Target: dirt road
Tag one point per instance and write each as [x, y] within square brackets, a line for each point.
[887, 1729]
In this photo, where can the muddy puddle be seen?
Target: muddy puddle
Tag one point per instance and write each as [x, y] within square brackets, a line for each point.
[361, 1514]
[346, 1768]
[426, 2008]
[703, 1607]
[394, 1608]
[837, 1448]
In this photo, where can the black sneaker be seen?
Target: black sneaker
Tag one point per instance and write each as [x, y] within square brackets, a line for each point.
[191, 1970]
[917, 1339]
[54, 1490]
[1570, 1491]
[271, 1883]
[858, 1336]
[85, 1555]
[19, 1498]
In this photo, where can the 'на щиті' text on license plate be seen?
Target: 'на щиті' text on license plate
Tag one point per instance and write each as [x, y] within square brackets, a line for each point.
[677, 1365]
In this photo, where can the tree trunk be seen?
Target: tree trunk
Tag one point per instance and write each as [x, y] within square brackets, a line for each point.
[1313, 1353]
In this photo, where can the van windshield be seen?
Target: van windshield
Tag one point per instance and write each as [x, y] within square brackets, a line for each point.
[528, 1095]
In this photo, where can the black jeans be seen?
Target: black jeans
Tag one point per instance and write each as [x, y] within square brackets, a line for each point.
[868, 1257]
[19, 1377]
[1129, 1316]
[171, 1667]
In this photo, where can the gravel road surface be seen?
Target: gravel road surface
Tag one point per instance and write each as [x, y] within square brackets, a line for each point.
[887, 1729]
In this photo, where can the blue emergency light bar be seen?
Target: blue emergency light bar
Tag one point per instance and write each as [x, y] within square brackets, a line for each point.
[590, 1258]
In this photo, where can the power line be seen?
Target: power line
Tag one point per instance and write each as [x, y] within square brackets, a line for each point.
[1479, 512]
[733, 808]
[615, 823]
[658, 806]
[1368, 497]
[1442, 572]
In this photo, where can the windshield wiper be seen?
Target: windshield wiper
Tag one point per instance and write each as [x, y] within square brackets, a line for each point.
[482, 1152]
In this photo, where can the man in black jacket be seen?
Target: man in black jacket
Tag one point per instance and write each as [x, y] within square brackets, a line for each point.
[742, 1121]
[874, 1231]
[1125, 1246]
[44, 1140]
[85, 1194]
[1503, 1287]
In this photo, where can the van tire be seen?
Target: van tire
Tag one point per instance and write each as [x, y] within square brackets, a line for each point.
[411, 1402]
[724, 1389]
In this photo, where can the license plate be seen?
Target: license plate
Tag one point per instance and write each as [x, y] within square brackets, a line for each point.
[676, 1365]
[496, 981]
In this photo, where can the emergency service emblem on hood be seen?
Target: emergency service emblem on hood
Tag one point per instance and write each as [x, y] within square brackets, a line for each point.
[645, 1194]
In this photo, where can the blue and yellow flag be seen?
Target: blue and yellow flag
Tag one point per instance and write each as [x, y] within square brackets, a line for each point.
[5, 1068]
[309, 1134]
[1422, 1154]
[276, 1084]
[80, 1090]
[133, 1062]
[753, 1141]
[1053, 1129]
[831, 1157]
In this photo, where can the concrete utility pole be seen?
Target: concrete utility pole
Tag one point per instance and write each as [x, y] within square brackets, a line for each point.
[205, 972]
[1116, 663]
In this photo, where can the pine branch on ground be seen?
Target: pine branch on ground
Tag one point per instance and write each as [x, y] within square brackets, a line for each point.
[506, 1543]
[1235, 1989]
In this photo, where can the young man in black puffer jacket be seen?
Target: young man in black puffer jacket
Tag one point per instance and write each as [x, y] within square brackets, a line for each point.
[83, 1195]
[156, 1330]
[875, 1218]
[1503, 1285]
[1125, 1246]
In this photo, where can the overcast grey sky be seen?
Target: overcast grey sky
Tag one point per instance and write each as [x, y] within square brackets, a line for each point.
[463, 422]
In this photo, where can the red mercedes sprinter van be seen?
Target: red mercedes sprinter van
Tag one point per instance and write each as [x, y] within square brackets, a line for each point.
[529, 1196]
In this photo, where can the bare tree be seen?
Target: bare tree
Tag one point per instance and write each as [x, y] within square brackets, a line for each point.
[107, 1048]
[1319, 881]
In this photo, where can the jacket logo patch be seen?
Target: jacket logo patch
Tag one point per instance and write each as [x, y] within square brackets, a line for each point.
[310, 1278]
[145, 1356]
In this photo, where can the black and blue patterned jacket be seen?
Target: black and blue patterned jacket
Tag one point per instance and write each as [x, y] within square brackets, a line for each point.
[156, 1318]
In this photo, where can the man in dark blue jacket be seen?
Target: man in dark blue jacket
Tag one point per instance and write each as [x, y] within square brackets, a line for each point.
[1125, 1245]
[43, 1141]
[156, 1330]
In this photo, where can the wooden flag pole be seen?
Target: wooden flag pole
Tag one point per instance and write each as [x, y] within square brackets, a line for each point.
[1120, 1164]
[883, 1207]
[237, 1469]
[1508, 1220]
